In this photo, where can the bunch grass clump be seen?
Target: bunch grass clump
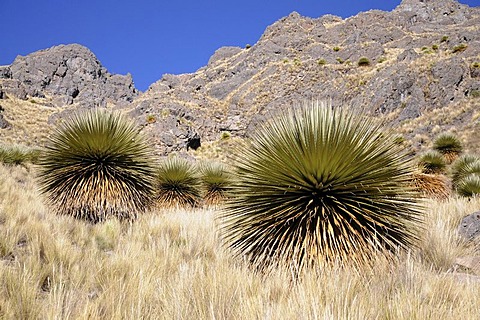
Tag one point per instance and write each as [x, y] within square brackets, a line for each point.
[449, 146]
[320, 185]
[96, 166]
[18, 154]
[432, 162]
[216, 181]
[178, 183]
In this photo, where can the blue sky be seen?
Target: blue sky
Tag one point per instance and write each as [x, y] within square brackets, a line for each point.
[148, 38]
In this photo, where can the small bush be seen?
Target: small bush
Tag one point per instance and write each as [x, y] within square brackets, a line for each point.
[474, 93]
[449, 145]
[363, 62]
[463, 166]
[444, 39]
[248, 46]
[336, 49]
[97, 165]
[225, 135]
[459, 48]
[177, 183]
[18, 155]
[322, 62]
[339, 60]
[435, 47]
[476, 65]
[469, 186]
[432, 162]
[216, 181]
[151, 118]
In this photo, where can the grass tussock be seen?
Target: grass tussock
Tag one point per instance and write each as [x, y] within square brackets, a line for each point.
[170, 265]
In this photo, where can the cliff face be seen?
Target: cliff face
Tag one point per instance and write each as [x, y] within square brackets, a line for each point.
[418, 66]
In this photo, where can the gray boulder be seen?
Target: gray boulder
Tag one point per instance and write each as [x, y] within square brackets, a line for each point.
[469, 227]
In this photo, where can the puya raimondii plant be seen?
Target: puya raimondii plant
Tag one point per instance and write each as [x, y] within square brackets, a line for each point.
[317, 184]
[97, 165]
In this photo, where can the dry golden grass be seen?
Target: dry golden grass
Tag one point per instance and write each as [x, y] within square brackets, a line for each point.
[170, 265]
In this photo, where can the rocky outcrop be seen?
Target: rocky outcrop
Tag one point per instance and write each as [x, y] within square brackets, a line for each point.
[67, 73]
[420, 60]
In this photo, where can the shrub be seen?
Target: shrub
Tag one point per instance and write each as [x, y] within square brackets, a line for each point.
[216, 181]
[432, 162]
[336, 49]
[363, 62]
[322, 62]
[177, 183]
[96, 166]
[225, 135]
[463, 166]
[435, 47]
[340, 60]
[459, 48]
[18, 155]
[444, 39]
[151, 118]
[316, 185]
[469, 186]
[449, 145]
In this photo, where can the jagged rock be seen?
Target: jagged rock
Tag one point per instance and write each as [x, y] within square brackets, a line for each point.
[70, 73]
[469, 227]
[5, 72]
[223, 53]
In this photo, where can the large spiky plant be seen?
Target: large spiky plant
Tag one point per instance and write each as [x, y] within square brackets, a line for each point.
[97, 165]
[178, 183]
[216, 181]
[317, 185]
[449, 145]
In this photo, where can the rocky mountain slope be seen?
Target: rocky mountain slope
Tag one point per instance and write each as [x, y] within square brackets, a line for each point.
[417, 66]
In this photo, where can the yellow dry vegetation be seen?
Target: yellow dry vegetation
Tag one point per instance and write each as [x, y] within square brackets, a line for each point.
[170, 264]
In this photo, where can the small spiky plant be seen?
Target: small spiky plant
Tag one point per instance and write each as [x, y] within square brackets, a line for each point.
[216, 181]
[463, 166]
[177, 183]
[317, 185]
[18, 155]
[432, 162]
[97, 165]
[449, 145]
[469, 186]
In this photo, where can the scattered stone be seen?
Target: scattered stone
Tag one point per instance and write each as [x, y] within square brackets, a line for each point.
[469, 227]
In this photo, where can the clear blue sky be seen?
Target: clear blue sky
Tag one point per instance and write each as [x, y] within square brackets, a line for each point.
[148, 38]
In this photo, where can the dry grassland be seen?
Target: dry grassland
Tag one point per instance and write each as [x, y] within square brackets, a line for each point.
[170, 265]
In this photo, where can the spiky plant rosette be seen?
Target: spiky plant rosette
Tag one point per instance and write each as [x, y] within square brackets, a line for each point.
[177, 183]
[317, 185]
[449, 145]
[469, 186]
[432, 162]
[463, 166]
[216, 181]
[97, 165]
[436, 186]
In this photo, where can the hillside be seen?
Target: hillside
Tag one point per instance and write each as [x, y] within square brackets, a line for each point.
[417, 66]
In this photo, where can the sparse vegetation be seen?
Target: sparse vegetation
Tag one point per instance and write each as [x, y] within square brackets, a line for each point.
[307, 185]
[96, 166]
[339, 60]
[336, 49]
[225, 135]
[321, 62]
[151, 119]
[363, 62]
[444, 39]
[178, 183]
[459, 48]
